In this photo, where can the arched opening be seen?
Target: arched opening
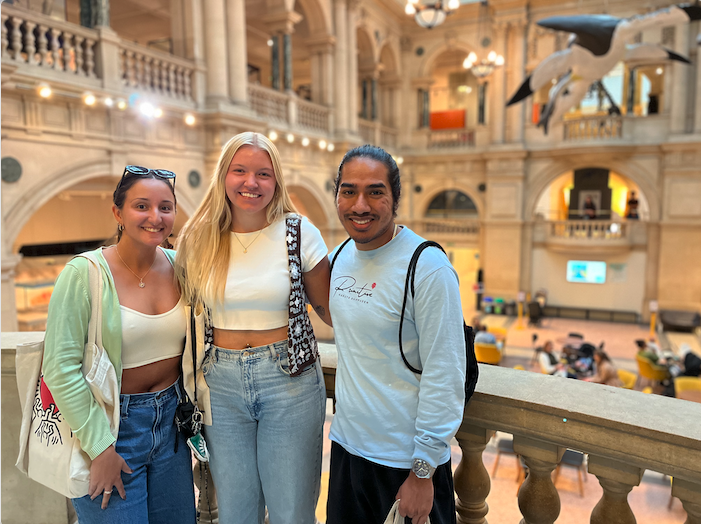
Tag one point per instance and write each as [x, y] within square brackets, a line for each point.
[308, 205]
[388, 89]
[366, 75]
[452, 204]
[77, 219]
[454, 100]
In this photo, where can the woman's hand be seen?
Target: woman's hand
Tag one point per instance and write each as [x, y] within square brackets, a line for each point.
[105, 474]
[316, 286]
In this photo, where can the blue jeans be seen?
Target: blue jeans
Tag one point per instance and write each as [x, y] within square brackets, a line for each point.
[160, 489]
[266, 438]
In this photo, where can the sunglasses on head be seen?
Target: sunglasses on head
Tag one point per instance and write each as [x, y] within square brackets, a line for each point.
[145, 171]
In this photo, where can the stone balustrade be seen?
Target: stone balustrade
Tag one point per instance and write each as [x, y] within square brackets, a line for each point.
[155, 72]
[623, 432]
[30, 38]
[451, 138]
[594, 127]
[366, 130]
[269, 103]
[469, 227]
[373, 132]
[313, 116]
[589, 229]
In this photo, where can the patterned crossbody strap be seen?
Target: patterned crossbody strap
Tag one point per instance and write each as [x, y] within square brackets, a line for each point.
[302, 349]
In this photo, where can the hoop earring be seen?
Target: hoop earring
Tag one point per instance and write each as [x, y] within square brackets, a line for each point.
[120, 227]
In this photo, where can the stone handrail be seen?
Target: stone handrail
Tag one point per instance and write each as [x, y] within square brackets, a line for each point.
[153, 71]
[594, 127]
[373, 132]
[313, 116]
[269, 103]
[34, 39]
[588, 229]
[451, 138]
[467, 226]
[623, 432]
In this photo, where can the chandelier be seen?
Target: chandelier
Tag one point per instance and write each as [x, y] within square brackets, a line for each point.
[429, 14]
[483, 68]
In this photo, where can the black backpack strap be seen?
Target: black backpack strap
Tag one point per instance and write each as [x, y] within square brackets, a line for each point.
[410, 274]
[338, 251]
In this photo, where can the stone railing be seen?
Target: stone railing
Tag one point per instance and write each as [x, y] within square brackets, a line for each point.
[155, 72]
[36, 40]
[588, 229]
[594, 127]
[366, 130]
[465, 228]
[623, 432]
[313, 116]
[373, 132]
[269, 103]
[451, 138]
[389, 137]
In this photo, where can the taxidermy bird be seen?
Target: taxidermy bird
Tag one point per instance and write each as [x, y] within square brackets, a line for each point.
[599, 42]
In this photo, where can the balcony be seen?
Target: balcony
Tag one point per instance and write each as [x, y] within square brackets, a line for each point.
[598, 127]
[451, 139]
[288, 110]
[623, 432]
[373, 132]
[590, 236]
[448, 230]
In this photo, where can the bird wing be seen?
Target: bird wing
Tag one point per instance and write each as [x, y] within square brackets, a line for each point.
[552, 67]
[672, 15]
[594, 32]
[641, 54]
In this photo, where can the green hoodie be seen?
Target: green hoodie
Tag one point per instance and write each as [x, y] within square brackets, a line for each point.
[64, 344]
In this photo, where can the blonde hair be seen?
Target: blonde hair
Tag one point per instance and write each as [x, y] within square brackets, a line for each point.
[202, 260]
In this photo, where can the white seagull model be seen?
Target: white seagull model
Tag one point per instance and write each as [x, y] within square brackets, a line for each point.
[599, 42]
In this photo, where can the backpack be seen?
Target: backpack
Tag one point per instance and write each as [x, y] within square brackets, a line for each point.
[472, 370]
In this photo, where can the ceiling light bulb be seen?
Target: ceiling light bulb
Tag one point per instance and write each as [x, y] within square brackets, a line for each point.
[499, 61]
[659, 71]
[414, 2]
[122, 104]
[89, 99]
[330, 147]
[272, 136]
[466, 64]
[492, 56]
[400, 160]
[109, 102]
[410, 10]
[44, 90]
[190, 119]
[322, 144]
[472, 57]
[270, 42]
[305, 141]
[158, 112]
[290, 137]
[453, 4]
[147, 109]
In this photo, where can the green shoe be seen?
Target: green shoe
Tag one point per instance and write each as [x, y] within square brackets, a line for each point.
[199, 447]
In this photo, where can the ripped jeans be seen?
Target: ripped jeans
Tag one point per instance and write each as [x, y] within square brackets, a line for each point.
[265, 442]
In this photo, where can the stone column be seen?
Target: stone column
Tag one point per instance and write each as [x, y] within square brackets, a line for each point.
[9, 304]
[216, 55]
[517, 75]
[275, 61]
[498, 99]
[375, 109]
[482, 103]
[353, 64]
[690, 495]
[680, 83]
[321, 49]
[287, 60]
[341, 67]
[94, 13]
[652, 265]
[238, 55]
[617, 479]
[366, 97]
[472, 483]
[538, 499]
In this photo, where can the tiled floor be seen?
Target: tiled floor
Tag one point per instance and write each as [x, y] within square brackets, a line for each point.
[648, 501]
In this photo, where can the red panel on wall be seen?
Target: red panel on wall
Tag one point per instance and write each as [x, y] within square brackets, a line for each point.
[453, 119]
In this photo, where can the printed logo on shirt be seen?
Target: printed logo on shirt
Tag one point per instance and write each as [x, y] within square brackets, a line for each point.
[348, 287]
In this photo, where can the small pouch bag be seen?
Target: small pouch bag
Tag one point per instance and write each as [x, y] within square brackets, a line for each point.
[395, 518]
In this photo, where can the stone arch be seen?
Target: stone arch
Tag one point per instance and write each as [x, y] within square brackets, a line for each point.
[388, 58]
[425, 200]
[551, 172]
[312, 197]
[318, 16]
[45, 189]
[426, 66]
[367, 52]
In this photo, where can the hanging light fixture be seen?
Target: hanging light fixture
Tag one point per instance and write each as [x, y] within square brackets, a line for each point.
[484, 67]
[430, 13]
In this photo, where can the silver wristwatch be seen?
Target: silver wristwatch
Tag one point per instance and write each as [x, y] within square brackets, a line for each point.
[422, 469]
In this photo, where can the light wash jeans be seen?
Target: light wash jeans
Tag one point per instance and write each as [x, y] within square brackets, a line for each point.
[160, 489]
[266, 438]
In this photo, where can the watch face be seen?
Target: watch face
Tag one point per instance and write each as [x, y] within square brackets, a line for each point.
[421, 468]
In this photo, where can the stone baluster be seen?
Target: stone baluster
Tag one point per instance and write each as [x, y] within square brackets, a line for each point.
[55, 55]
[16, 38]
[29, 42]
[179, 83]
[163, 76]
[472, 482]
[156, 76]
[187, 84]
[616, 479]
[79, 55]
[147, 86]
[139, 69]
[172, 87]
[538, 499]
[90, 58]
[130, 69]
[67, 51]
[5, 43]
[690, 495]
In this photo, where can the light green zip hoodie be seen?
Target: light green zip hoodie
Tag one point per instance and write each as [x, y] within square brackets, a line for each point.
[64, 344]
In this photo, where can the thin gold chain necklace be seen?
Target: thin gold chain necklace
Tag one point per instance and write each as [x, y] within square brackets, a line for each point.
[141, 279]
[245, 248]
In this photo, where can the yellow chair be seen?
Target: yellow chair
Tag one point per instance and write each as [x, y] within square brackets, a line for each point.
[684, 384]
[487, 353]
[651, 371]
[498, 332]
[519, 367]
[628, 378]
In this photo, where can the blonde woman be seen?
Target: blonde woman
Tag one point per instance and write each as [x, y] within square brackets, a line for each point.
[267, 395]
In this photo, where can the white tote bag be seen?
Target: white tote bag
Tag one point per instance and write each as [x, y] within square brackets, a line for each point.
[395, 518]
[49, 451]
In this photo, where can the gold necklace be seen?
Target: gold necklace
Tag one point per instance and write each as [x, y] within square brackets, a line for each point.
[141, 279]
[245, 248]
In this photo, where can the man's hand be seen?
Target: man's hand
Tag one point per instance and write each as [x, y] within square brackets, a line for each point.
[106, 474]
[416, 498]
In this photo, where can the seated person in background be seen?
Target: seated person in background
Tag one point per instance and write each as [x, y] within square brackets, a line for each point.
[648, 351]
[485, 337]
[550, 363]
[477, 325]
[605, 370]
[692, 362]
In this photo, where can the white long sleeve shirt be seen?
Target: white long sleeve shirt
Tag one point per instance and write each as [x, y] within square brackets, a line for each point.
[384, 412]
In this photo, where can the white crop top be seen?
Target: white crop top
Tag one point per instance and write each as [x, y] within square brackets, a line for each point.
[150, 338]
[257, 292]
